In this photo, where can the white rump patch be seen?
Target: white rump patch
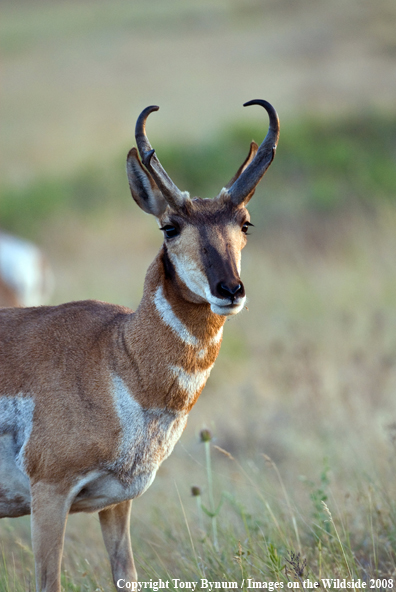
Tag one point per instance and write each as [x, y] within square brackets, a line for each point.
[191, 383]
[166, 313]
[16, 418]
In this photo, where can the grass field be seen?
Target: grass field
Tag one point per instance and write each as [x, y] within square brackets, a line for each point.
[307, 376]
[75, 74]
[301, 402]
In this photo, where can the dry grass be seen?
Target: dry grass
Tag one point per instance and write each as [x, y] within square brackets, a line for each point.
[306, 376]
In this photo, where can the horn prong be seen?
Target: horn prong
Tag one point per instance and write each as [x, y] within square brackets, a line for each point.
[244, 186]
[169, 190]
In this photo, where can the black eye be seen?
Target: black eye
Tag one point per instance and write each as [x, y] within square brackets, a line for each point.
[245, 227]
[170, 231]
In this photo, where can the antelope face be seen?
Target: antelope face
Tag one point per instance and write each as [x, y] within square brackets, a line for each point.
[204, 246]
[203, 238]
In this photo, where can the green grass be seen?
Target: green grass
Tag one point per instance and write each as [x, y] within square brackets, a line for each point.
[265, 532]
[322, 166]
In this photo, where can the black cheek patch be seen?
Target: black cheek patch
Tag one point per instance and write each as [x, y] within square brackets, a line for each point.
[169, 269]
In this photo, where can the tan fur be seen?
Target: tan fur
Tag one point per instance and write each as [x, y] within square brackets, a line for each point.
[115, 527]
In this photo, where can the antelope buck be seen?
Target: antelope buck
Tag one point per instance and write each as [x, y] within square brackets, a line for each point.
[93, 396]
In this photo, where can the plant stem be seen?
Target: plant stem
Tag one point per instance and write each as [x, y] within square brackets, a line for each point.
[211, 498]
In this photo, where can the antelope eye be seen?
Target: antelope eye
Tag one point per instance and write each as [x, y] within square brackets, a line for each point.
[245, 227]
[170, 231]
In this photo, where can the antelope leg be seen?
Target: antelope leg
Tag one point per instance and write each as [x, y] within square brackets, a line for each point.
[50, 508]
[114, 522]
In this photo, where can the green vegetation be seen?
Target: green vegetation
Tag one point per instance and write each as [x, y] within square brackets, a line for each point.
[322, 166]
[262, 533]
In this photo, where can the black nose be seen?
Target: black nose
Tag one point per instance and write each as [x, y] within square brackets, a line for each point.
[231, 290]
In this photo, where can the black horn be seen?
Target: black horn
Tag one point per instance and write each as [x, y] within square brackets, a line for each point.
[169, 190]
[243, 187]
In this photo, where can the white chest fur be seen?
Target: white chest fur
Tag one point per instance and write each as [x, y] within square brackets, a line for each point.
[148, 436]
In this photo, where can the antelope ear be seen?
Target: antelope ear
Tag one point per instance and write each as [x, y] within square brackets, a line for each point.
[143, 187]
[252, 153]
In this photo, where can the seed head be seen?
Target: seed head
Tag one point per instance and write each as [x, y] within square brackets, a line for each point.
[205, 435]
[227, 454]
[326, 509]
[268, 460]
[195, 491]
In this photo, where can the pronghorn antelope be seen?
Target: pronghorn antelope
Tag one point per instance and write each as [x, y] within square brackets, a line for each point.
[93, 397]
[25, 275]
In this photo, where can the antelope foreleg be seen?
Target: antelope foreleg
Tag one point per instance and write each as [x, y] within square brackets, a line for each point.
[49, 514]
[115, 529]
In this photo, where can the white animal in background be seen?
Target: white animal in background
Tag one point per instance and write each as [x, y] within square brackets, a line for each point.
[25, 275]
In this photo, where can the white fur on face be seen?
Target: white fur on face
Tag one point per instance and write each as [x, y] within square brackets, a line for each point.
[191, 275]
[184, 253]
[217, 306]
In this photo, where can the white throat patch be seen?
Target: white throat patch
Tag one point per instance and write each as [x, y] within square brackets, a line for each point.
[191, 382]
[166, 313]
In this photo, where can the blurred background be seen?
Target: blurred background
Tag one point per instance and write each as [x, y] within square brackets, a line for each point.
[307, 375]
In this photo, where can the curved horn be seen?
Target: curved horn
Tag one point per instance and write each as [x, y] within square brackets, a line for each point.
[171, 193]
[243, 188]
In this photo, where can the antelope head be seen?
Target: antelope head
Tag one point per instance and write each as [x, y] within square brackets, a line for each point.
[203, 238]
